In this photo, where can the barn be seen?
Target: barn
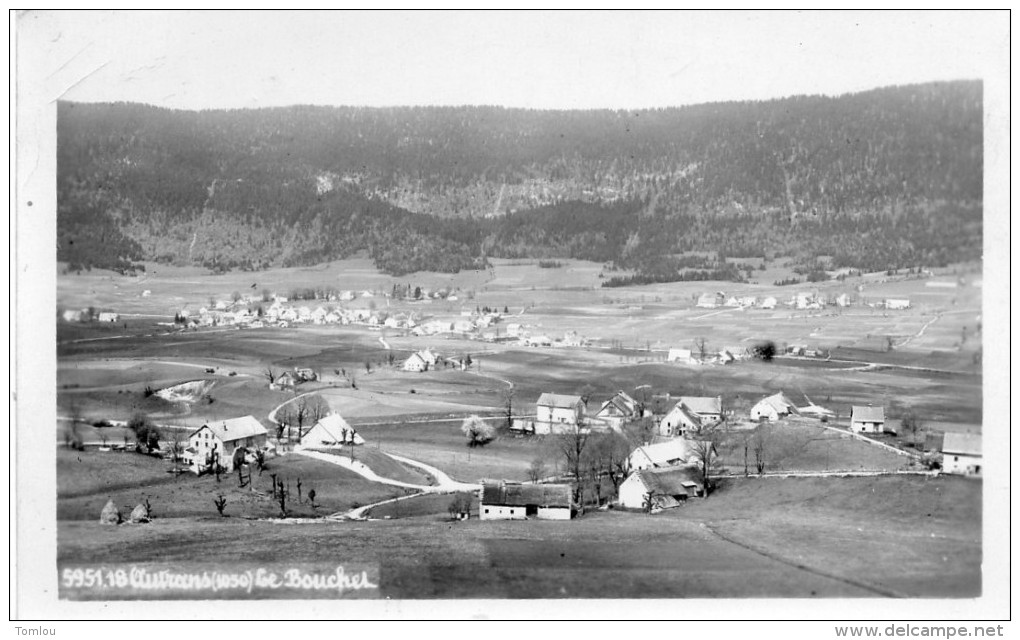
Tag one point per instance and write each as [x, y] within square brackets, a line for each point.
[512, 501]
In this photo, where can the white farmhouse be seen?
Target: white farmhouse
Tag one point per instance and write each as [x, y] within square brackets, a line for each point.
[108, 316]
[869, 419]
[961, 454]
[557, 413]
[509, 501]
[221, 440]
[683, 356]
[897, 303]
[618, 409]
[656, 490]
[679, 421]
[773, 408]
[415, 363]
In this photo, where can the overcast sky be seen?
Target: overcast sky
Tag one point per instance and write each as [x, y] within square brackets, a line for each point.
[521, 59]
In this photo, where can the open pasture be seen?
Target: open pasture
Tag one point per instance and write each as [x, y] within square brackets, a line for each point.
[444, 446]
[911, 536]
[805, 445]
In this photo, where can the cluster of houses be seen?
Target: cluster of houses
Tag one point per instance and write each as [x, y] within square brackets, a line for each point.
[804, 300]
[664, 473]
[88, 315]
[281, 314]
[725, 355]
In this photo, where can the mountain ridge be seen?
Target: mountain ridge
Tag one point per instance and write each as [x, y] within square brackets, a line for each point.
[442, 188]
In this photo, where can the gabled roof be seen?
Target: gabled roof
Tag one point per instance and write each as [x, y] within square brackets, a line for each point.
[334, 425]
[779, 402]
[677, 481]
[520, 495]
[558, 401]
[662, 453]
[415, 356]
[965, 443]
[686, 414]
[702, 405]
[867, 414]
[624, 403]
[236, 428]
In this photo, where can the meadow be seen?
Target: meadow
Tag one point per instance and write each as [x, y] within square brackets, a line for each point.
[912, 537]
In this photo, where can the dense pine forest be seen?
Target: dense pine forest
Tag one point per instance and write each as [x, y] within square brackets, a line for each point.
[878, 180]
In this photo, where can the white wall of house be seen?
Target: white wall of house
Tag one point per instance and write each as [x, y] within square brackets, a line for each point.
[764, 410]
[859, 426]
[961, 463]
[554, 513]
[500, 512]
[632, 493]
[557, 415]
[674, 423]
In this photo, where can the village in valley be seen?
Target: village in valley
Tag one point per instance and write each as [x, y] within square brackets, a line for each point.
[438, 406]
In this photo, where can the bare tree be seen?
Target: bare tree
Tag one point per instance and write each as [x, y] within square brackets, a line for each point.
[221, 504]
[270, 375]
[705, 454]
[701, 346]
[176, 449]
[911, 423]
[537, 469]
[318, 408]
[571, 444]
[281, 498]
[760, 441]
[586, 392]
[508, 405]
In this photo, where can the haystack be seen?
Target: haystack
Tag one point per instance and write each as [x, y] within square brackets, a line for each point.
[110, 514]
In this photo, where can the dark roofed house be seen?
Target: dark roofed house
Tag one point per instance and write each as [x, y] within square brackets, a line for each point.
[660, 489]
[513, 501]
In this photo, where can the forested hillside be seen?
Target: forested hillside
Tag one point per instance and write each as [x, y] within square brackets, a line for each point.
[880, 179]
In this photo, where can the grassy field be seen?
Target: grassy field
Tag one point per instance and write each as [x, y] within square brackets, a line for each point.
[87, 479]
[770, 538]
[910, 535]
[442, 445]
[804, 445]
[426, 504]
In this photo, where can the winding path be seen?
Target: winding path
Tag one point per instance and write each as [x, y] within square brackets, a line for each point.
[444, 483]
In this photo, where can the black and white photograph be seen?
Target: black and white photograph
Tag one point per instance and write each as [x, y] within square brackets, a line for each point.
[457, 314]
